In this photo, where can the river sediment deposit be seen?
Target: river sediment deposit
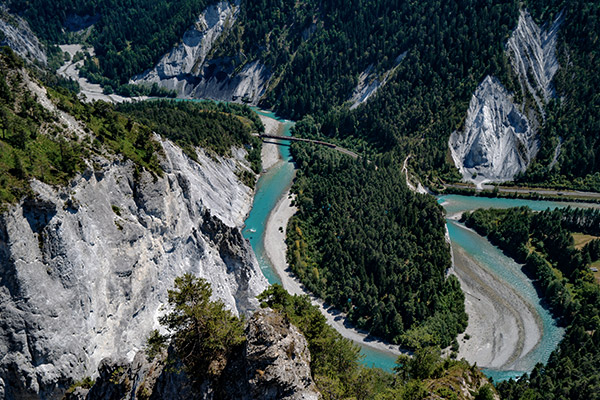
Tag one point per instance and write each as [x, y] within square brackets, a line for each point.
[509, 330]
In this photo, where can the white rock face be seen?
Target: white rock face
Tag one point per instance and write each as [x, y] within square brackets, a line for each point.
[19, 37]
[368, 83]
[247, 86]
[85, 270]
[196, 43]
[497, 142]
[187, 69]
[533, 55]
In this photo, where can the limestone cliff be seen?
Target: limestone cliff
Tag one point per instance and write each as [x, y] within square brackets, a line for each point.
[369, 82]
[16, 34]
[532, 51]
[85, 269]
[497, 142]
[499, 139]
[273, 364]
[189, 70]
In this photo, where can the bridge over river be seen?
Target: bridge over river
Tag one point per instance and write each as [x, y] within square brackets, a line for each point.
[320, 142]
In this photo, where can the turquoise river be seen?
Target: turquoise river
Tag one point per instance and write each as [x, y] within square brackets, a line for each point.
[275, 182]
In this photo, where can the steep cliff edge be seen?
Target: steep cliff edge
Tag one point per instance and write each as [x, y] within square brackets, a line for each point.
[16, 34]
[499, 139]
[189, 70]
[532, 51]
[273, 363]
[497, 142]
[85, 269]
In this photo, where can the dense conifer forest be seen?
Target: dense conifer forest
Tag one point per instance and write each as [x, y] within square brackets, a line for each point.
[212, 126]
[364, 242]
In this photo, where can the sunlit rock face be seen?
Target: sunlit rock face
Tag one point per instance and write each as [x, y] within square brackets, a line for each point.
[85, 269]
[189, 70]
[499, 139]
[497, 142]
[532, 51]
[17, 35]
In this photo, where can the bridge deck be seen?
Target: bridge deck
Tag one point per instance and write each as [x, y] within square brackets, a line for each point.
[322, 143]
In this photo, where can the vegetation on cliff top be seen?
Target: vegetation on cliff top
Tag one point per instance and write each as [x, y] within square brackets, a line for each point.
[36, 143]
[212, 126]
[338, 373]
[202, 332]
[203, 335]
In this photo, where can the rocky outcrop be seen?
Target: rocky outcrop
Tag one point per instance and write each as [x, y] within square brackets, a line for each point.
[497, 142]
[188, 57]
[16, 34]
[532, 51]
[141, 378]
[273, 364]
[85, 269]
[369, 83]
[464, 384]
[189, 71]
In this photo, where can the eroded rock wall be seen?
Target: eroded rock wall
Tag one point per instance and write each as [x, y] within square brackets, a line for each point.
[84, 270]
[500, 136]
[17, 35]
[532, 51]
[497, 142]
[189, 70]
[273, 364]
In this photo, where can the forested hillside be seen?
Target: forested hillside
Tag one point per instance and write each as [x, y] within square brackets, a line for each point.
[42, 142]
[450, 47]
[212, 126]
[544, 242]
[365, 243]
[127, 37]
[574, 117]
[35, 143]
